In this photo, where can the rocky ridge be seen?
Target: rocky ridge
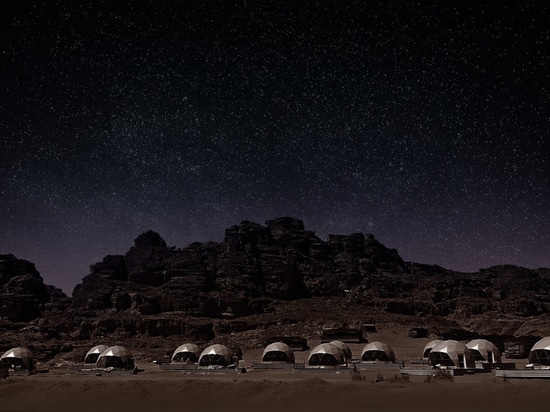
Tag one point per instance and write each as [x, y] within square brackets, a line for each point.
[261, 280]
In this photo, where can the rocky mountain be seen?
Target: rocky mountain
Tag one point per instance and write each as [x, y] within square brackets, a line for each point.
[256, 282]
[254, 265]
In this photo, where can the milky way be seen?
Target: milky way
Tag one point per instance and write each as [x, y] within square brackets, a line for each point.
[424, 124]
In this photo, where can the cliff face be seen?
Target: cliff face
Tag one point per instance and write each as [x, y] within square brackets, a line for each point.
[23, 294]
[261, 278]
[254, 263]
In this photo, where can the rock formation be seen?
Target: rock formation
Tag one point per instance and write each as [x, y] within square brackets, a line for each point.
[280, 261]
[22, 290]
[257, 280]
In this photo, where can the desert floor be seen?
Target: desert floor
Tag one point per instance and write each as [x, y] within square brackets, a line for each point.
[155, 390]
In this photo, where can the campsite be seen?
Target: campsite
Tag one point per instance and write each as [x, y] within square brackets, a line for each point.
[268, 389]
[403, 337]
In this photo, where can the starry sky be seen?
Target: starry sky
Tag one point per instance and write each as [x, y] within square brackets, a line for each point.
[424, 123]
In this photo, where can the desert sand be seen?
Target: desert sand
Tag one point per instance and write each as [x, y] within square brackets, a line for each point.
[263, 391]
[156, 390]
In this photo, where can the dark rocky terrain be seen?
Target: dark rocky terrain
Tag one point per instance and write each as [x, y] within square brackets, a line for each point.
[261, 280]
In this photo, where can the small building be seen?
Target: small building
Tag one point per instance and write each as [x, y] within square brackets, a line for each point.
[326, 354]
[116, 357]
[377, 352]
[296, 343]
[418, 333]
[278, 352]
[484, 351]
[451, 353]
[216, 356]
[186, 353]
[93, 354]
[369, 326]
[349, 335]
[519, 347]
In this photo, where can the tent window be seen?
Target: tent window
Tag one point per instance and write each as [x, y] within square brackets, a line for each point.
[111, 362]
[185, 357]
[16, 363]
[91, 358]
[440, 358]
[208, 360]
[375, 355]
[322, 359]
[540, 356]
[275, 356]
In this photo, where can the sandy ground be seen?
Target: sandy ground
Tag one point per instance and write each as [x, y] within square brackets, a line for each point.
[155, 390]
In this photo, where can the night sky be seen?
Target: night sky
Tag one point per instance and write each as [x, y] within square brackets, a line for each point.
[425, 124]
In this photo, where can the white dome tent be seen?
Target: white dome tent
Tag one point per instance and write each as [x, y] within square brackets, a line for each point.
[216, 356]
[428, 348]
[18, 359]
[484, 351]
[540, 352]
[117, 357]
[278, 352]
[451, 353]
[93, 354]
[377, 352]
[326, 354]
[344, 348]
[186, 353]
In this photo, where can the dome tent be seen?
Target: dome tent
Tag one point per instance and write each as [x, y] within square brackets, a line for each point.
[451, 353]
[115, 357]
[428, 348]
[326, 354]
[216, 355]
[484, 351]
[188, 352]
[343, 347]
[93, 354]
[540, 352]
[278, 352]
[18, 358]
[377, 352]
